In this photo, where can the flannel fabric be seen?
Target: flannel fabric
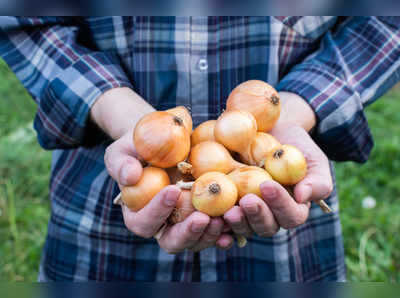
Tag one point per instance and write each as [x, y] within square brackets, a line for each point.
[338, 65]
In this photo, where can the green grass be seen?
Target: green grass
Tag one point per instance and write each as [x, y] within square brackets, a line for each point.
[370, 234]
[24, 174]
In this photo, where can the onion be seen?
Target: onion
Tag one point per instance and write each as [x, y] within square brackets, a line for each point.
[248, 180]
[286, 165]
[210, 157]
[182, 113]
[262, 144]
[203, 132]
[214, 193]
[183, 207]
[236, 131]
[258, 98]
[150, 183]
[161, 139]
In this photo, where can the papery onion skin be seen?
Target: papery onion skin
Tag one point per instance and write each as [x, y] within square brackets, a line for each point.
[183, 113]
[262, 144]
[211, 157]
[161, 139]
[260, 99]
[236, 130]
[286, 164]
[175, 175]
[183, 207]
[203, 132]
[214, 193]
[152, 181]
[248, 180]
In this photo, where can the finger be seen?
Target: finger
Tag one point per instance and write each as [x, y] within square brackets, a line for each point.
[184, 234]
[287, 212]
[225, 242]
[316, 185]
[121, 164]
[238, 222]
[318, 182]
[211, 234]
[226, 227]
[260, 217]
[147, 221]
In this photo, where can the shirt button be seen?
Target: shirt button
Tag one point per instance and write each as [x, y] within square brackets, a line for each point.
[202, 64]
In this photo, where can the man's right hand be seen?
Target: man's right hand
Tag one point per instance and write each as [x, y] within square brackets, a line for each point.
[196, 232]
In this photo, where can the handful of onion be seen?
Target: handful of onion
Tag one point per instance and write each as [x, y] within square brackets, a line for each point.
[201, 161]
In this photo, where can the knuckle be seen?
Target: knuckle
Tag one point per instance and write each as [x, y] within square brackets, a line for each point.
[256, 220]
[209, 239]
[326, 189]
[294, 222]
[271, 231]
[108, 154]
[143, 232]
[170, 250]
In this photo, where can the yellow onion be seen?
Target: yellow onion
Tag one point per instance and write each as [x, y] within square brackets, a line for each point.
[183, 207]
[214, 193]
[258, 98]
[286, 165]
[150, 183]
[182, 113]
[236, 130]
[203, 132]
[161, 139]
[248, 180]
[262, 144]
[211, 157]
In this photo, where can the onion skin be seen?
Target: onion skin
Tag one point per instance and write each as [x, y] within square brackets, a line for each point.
[203, 132]
[183, 208]
[262, 144]
[258, 98]
[183, 114]
[152, 181]
[286, 164]
[214, 193]
[161, 139]
[248, 180]
[236, 130]
[211, 157]
[175, 175]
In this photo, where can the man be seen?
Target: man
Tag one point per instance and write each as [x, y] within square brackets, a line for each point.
[93, 78]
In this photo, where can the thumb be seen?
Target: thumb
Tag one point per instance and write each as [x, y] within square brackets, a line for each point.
[121, 165]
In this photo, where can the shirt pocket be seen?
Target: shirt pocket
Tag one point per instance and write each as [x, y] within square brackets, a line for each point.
[310, 27]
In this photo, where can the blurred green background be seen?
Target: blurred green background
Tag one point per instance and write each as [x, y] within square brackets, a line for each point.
[369, 193]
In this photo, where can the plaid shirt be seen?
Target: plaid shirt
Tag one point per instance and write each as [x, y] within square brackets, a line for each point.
[339, 65]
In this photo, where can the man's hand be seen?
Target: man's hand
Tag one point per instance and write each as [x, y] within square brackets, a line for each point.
[277, 207]
[116, 112]
[196, 232]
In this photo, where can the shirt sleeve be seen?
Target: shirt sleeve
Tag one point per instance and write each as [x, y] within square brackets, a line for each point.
[354, 66]
[64, 77]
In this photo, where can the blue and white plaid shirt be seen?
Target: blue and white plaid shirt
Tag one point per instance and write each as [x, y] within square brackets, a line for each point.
[339, 65]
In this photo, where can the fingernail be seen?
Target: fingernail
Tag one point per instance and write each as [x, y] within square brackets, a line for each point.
[197, 227]
[226, 244]
[170, 199]
[271, 193]
[251, 209]
[306, 193]
[125, 174]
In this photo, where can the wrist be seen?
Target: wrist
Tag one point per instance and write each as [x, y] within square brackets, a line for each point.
[118, 110]
[295, 111]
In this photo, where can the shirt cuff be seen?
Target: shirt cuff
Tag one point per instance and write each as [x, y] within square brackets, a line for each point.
[63, 118]
[342, 130]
